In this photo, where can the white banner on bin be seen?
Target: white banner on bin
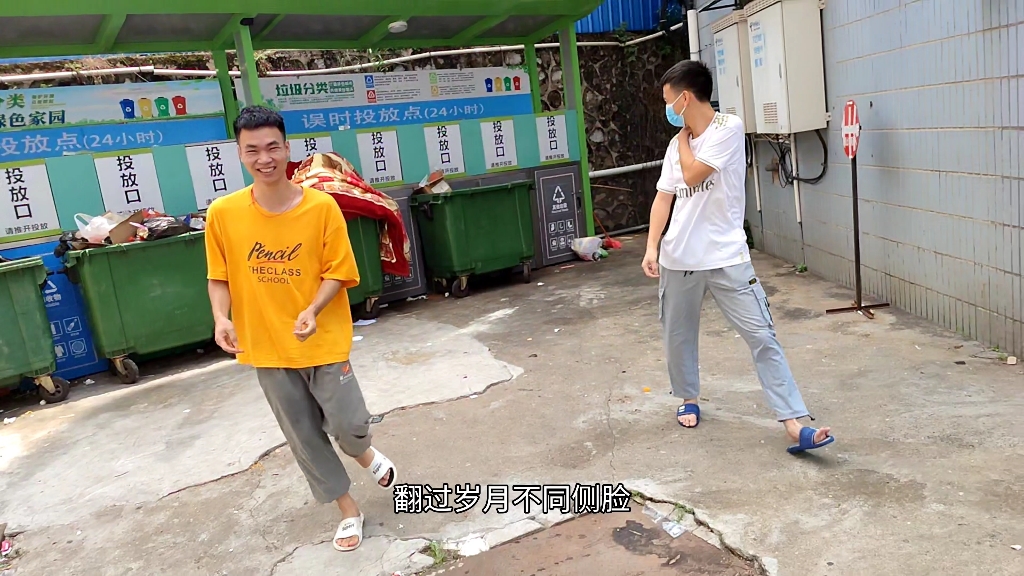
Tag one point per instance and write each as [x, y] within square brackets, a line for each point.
[499, 144]
[378, 154]
[128, 182]
[552, 138]
[303, 147]
[29, 211]
[216, 171]
[444, 148]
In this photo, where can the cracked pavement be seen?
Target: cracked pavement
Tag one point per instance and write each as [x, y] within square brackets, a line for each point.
[530, 384]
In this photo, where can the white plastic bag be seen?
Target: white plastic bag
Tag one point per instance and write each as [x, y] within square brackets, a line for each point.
[96, 229]
[587, 248]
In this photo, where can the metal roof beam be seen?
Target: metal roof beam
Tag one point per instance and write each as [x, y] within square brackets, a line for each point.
[550, 29]
[107, 34]
[226, 35]
[270, 26]
[477, 28]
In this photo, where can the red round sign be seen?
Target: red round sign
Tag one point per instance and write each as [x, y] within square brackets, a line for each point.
[851, 129]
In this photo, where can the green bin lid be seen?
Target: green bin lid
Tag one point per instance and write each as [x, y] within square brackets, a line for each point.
[437, 197]
[73, 256]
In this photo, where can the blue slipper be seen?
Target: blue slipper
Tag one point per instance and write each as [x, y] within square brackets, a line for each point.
[807, 441]
[686, 410]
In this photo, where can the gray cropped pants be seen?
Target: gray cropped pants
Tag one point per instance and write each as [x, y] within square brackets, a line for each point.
[743, 301]
[310, 405]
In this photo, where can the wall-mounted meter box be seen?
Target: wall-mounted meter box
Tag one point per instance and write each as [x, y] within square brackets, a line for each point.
[732, 64]
[787, 67]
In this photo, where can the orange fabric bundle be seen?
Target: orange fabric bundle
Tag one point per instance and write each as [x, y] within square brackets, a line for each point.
[334, 175]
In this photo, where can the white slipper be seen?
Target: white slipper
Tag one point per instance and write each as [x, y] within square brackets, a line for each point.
[348, 528]
[379, 468]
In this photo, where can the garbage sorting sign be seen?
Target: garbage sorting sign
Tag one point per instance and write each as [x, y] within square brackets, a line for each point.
[328, 102]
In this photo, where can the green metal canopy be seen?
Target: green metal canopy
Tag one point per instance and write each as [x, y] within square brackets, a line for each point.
[73, 27]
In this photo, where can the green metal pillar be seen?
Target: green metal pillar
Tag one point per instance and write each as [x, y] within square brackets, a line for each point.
[531, 67]
[573, 83]
[227, 90]
[247, 65]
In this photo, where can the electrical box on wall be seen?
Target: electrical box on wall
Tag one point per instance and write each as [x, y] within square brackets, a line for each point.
[787, 66]
[732, 63]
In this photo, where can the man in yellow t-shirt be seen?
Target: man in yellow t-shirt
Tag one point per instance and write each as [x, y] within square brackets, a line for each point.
[279, 261]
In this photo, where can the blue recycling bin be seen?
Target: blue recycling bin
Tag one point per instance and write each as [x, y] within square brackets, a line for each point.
[128, 109]
[72, 339]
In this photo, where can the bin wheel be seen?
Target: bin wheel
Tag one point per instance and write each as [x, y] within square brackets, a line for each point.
[460, 287]
[128, 372]
[61, 389]
[527, 272]
[369, 309]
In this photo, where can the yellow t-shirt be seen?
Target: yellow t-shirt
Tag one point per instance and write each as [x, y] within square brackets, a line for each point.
[274, 265]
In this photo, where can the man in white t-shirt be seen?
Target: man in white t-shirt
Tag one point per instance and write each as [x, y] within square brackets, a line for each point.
[705, 249]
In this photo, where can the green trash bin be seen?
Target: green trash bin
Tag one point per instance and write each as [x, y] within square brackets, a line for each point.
[364, 235]
[26, 341]
[144, 298]
[475, 231]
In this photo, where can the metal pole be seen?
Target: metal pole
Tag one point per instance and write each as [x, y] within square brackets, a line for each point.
[572, 80]
[856, 233]
[530, 55]
[858, 305]
[246, 57]
[693, 33]
[227, 90]
[757, 177]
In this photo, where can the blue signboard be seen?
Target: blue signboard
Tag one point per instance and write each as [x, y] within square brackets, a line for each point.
[69, 326]
[404, 113]
[32, 144]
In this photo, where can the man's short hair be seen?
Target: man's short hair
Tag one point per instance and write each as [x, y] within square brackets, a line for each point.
[692, 76]
[256, 117]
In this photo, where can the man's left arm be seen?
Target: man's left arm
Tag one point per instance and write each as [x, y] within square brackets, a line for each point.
[339, 272]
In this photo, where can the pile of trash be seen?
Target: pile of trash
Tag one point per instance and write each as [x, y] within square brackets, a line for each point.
[594, 248]
[112, 229]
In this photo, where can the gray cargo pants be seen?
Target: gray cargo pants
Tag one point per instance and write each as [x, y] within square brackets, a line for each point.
[742, 300]
[311, 404]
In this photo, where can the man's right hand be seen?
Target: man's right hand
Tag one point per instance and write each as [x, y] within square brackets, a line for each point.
[224, 334]
[650, 264]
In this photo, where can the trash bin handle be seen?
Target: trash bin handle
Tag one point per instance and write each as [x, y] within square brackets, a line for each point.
[427, 210]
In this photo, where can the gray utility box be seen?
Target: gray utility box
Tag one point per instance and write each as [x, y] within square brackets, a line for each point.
[395, 287]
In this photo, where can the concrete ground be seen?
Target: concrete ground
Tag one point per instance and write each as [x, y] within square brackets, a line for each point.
[544, 384]
[602, 544]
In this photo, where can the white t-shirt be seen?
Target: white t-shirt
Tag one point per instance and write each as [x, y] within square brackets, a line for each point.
[706, 230]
